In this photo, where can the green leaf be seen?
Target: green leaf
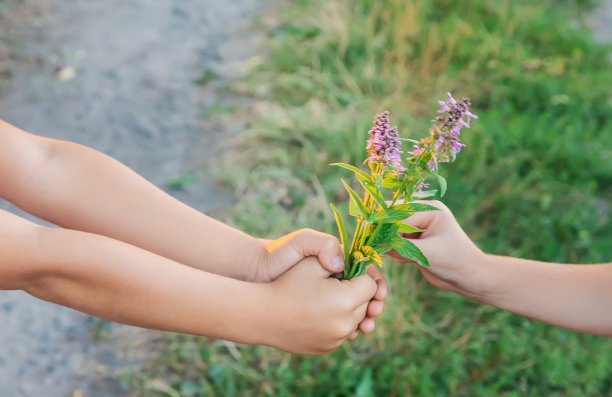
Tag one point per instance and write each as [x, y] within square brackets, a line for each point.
[407, 249]
[342, 230]
[383, 233]
[417, 207]
[391, 215]
[404, 228]
[353, 210]
[355, 197]
[381, 249]
[358, 265]
[391, 181]
[442, 183]
[378, 180]
[373, 191]
[360, 173]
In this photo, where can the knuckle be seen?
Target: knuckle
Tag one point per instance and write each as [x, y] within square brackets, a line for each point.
[331, 242]
[302, 233]
[370, 284]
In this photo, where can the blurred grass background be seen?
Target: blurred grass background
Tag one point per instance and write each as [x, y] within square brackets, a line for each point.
[534, 181]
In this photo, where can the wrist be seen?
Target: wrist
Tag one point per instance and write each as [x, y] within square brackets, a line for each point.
[482, 280]
[489, 284]
[258, 272]
[263, 327]
[249, 257]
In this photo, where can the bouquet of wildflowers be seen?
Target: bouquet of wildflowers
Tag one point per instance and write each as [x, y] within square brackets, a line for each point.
[392, 184]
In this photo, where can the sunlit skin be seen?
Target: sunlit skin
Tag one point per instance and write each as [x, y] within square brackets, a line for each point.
[577, 297]
[128, 252]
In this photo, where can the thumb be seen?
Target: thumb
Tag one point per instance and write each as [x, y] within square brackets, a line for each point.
[307, 242]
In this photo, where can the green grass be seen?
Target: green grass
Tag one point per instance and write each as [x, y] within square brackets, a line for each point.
[534, 181]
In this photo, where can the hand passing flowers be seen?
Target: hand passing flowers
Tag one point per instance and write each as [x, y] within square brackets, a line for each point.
[390, 186]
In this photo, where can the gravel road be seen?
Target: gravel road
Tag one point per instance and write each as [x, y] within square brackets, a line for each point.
[125, 87]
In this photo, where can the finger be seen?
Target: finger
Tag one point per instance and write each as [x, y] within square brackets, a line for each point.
[393, 254]
[361, 289]
[309, 267]
[359, 315]
[421, 220]
[381, 283]
[353, 335]
[435, 281]
[308, 242]
[375, 308]
[367, 325]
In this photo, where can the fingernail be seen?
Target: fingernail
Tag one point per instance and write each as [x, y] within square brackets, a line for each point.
[338, 263]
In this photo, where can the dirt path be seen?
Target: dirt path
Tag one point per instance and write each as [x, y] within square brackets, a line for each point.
[132, 96]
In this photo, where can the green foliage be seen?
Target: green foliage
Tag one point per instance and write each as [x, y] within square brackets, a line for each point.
[362, 210]
[407, 249]
[207, 76]
[383, 233]
[534, 181]
[181, 181]
[342, 231]
[377, 229]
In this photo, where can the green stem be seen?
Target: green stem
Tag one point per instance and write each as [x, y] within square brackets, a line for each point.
[375, 232]
[399, 191]
[362, 223]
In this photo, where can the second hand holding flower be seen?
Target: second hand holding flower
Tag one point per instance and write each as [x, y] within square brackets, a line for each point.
[380, 222]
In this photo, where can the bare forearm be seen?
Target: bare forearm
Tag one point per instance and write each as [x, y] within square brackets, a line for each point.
[80, 188]
[577, 297]
[119, 282]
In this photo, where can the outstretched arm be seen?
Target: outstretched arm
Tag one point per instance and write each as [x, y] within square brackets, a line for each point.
[578, 297]
[79, 188]
[303, 311]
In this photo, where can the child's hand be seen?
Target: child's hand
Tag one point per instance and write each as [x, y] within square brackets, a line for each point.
[309, 312]
[454, 258]
[283, 253]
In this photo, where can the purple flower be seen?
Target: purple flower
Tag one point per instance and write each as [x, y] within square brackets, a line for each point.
[422, 186]
[383, 145]
[454, 115]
